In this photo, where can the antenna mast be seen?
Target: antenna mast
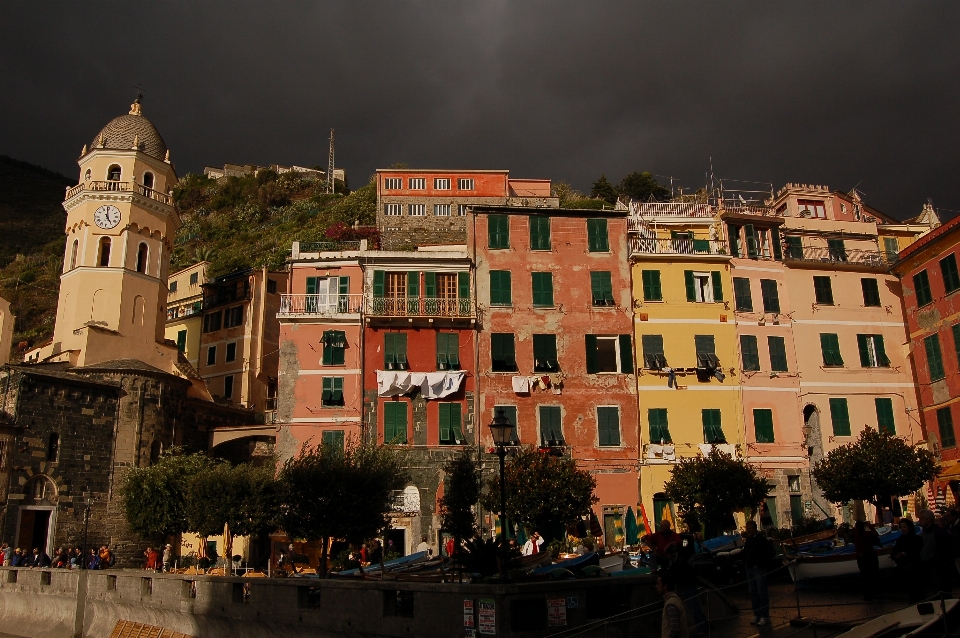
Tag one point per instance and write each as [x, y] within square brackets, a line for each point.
[330, 179]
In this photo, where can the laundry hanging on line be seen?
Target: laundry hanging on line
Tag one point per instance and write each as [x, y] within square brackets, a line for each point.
[432, 385]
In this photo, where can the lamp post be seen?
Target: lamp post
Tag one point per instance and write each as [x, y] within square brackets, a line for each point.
[86, 524]
[501, 428]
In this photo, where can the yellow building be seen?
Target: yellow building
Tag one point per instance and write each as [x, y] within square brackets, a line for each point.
[687, 355]
[185, 310]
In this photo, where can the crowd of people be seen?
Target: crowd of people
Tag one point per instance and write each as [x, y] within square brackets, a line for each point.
[63, 558]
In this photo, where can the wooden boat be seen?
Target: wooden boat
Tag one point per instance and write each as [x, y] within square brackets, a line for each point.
[573, 564]
[419, 557]
[923, 620]
[532, 561]
[797, 544]
[612, 563]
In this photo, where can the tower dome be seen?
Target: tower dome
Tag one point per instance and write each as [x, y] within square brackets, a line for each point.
[124, 131]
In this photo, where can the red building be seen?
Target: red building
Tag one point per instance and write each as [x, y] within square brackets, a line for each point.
[555, 347]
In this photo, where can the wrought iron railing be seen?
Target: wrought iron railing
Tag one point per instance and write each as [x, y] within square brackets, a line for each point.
[419, 307]
[676, 246]
[328, 246]
[836, 255]
[119, 187]
[320, 305]
[670, 209]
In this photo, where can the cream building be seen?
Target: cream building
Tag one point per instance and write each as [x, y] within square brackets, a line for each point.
[185, 309]
[6, 330]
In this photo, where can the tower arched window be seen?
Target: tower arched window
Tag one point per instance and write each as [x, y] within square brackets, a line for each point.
[104, 259]
[87, 175]
[148, 179]
[73, 253]
[53, 447]
[142, 253]
[113, 173]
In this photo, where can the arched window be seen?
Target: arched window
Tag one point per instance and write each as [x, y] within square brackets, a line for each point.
[155, 449]
[142, 258]
[104, 259]
[53, 447]
[148, 179]
[73, 253]
[87, 175]
[113, 173]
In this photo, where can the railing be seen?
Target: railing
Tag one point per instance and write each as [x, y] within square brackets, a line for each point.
[328, 246]
[737, 208]
[119, 187]
[676, 246]
[319, 305]
[419, 307]
[824, 254]
[671, 209]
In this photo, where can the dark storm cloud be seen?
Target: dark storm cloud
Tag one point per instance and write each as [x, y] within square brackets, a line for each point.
[831, 93]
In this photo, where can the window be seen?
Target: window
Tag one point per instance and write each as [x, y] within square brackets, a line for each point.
[830, 348]
[948, 269]
[778, 354]
[608, 425]
[542, 289]
[872, 354]
[539, 232]
[706, 352]
[194, 278]
[823, 290]
[812, 208]
[465, 184]
[750, 237]
[231, 354]
[441, 183]
[794, 247]
[741, 294]
[510, 414]
[448, 351]
[87, 175]
[441, 210]
[659, 429]
[891, 248]
[837, 250]
[703, 287]
[392, 183]
[332, 439]
[871, 292]
[771, 295]
[956, 339]
[712, 429]
[921, 284]
[451, 432]
[653, 358]
[934, 357]
[733, 235]
[212, 321]
[545, 353]
[749, 352]
[840, 417]
[601, 288]
[885, 421]
[332, 396]
[498, 229]
[609, 354]
[173, 286]
[228, 387]
[113, 173]
[395, 351]
[597, 236]
[502, 353]
[142, 258]
[462, 209]
[182, 340]
[500, 288]
[763, 425]
[148, 179]
[417, 183]
[395, 422]
[104, 260]
[272, 286]
[551, 426]
[233, 317]
[393, 210]
[53, 446]
[73, 257]
[945, 425]
[651, 285]
[416, 210]
[212, 355]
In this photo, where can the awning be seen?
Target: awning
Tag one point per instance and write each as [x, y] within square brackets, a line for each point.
[951, 473]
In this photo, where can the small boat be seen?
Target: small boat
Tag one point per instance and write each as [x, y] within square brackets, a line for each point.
[613, 562]
[802, 543]
[836, 561]
[410, 559]
[923, 620]
[573, 564]
[531, 561]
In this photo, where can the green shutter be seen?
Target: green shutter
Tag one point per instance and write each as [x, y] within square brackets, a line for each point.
[948, 270]
[597, 235]
[539, 232]
[413, 284]
[794, 247]
[311, 285]
[545, 353]
[333, 439]
[882, 359]
[337, 396]
[442, 361]
[651, 285]
[502, 352]
[741, 294]
[956, 339]
[593, 358]
[500, 288]
[551, 428]
[691, 287]
[763, 425]
[626, 355]
[775, 240]
[327, 397]
[608, 426]
[542, 289]
[182, 340]
[934, 357]
[430, 284]
[823, 290]
[510, 414]
[778, 354]
[921, 285]
[840, 417]
[749, 352]
[750, 234]
[770, 294]
[830, 347]
[395, 422]
[717, 286]
[327, 348]
[499, 231]
[885, 420]
[378, 283]
[659, 429]
[601, 288]
[463, 285]
[712, 428]
[344, 286]
[444, 409]
[456, 423]
[945, 425]
[871, 292]
[733, 235]
[864, 350]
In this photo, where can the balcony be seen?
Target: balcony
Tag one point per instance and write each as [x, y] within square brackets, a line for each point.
[120, 187]
[328, 246]
[674, 210]
[677, 246]
[430, 307]
[837, 256]
[319, 305]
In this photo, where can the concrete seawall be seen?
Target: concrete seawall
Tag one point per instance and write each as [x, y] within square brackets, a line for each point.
[54, 603]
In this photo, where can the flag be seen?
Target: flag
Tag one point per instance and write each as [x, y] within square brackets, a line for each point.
[633, 537]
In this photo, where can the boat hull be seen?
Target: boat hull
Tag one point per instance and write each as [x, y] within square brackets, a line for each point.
[833, 565]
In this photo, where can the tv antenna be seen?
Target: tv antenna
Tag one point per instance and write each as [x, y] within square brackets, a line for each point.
[330, 179]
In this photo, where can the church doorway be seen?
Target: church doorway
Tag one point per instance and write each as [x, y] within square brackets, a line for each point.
[35, 528]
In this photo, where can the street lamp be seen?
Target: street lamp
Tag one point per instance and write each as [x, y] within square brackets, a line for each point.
[86, 524]
[501, 429]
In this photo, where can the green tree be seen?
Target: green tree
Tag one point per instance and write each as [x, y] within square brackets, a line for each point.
[602, 189]
[155, 498]
[643, 187]
[242, 496]
[545, 493]
[876, 466]
[328, 492]
[708, 489]
[461, 491]
[564, 192]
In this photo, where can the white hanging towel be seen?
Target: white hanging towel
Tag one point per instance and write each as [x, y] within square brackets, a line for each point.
[391, 384]
[654, 451]
[669, 453]
[705, 449]
[521, 385]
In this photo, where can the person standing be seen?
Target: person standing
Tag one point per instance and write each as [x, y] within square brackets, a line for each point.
[757, 552]
[423, 546]
[376, 554]
[673, 623]
[153, 559]
[906, 554]
[533, 545]
[167, 557]
[658, 542]
[106, 557]
[953, 529]
[865, 537]
[7, 553]
[935, 551]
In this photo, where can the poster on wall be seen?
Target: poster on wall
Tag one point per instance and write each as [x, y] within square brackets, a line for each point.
[557, 612]
[487, 618]
[468, 620]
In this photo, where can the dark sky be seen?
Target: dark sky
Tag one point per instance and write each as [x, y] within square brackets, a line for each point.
[832, 93]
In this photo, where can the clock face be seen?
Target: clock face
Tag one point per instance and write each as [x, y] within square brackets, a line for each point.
[107, 216]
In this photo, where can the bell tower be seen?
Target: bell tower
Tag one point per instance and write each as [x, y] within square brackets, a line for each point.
[121, 223]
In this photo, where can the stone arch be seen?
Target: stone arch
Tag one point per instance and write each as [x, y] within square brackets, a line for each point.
[103, 254]
[114, 172]
[40, 489]
[410, 499]
[148, 179]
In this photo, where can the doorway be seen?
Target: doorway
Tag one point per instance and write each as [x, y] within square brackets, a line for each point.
[399, 538]
[34, 529]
